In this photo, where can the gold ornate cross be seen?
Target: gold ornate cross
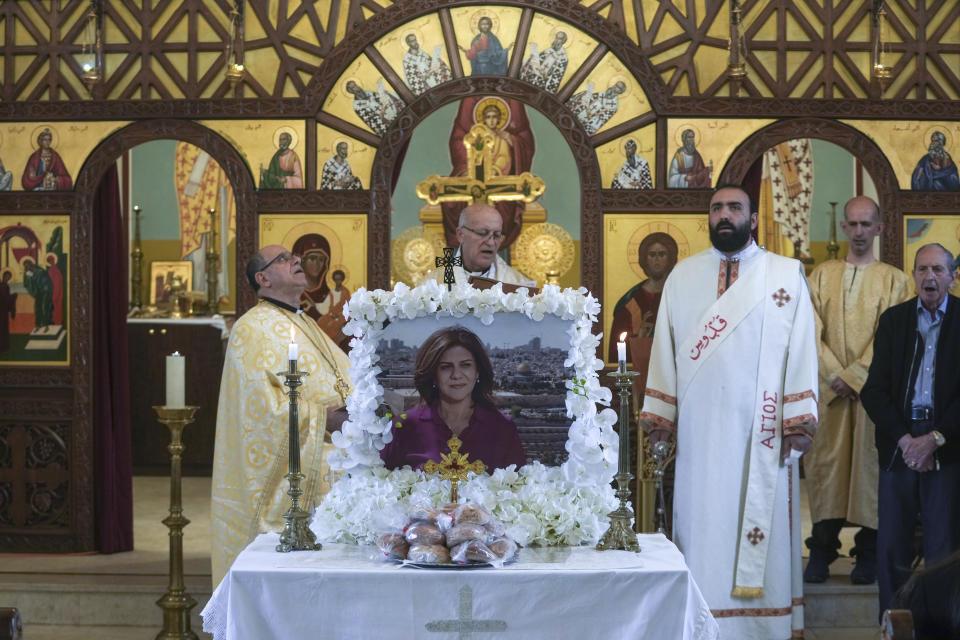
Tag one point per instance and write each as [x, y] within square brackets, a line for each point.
[483, 182]
[453, 466]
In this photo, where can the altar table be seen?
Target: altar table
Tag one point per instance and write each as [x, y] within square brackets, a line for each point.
[346, 591]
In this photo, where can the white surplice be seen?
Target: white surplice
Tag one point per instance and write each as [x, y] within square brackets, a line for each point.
[733, 368]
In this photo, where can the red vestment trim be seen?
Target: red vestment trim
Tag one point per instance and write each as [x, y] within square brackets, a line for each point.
[752, 613]
[659, 421]
[659, 395]
[797, 397]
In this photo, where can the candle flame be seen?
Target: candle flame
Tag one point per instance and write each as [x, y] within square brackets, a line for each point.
[293, 333]
[623, 336]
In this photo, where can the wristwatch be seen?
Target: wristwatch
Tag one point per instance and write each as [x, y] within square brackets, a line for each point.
[938, 438]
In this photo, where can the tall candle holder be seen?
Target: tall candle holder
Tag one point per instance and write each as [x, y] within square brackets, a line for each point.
[296, 535]
[620, 534]
[136, 263]
[832, 247]
[213, 266]
[176, 602]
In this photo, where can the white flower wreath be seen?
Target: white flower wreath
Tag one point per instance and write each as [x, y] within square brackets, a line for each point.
[538, 504]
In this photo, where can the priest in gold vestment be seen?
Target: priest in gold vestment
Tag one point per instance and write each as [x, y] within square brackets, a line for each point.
[251, 451]
[841, 467]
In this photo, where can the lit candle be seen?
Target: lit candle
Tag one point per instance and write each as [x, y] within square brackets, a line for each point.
[622, 352]
[176, 365]
[294, 349]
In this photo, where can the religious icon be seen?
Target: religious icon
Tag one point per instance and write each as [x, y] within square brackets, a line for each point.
[6, 178]
[336, 172]
[486, 55]
[45, 170]
[636, 311]
[333, 251]
[377, 108]
[169, 278]
[687, 169]
[33, 290]
[421, 70]
[545, 68]
[319, 301]
[202, 185]
[285, 170]
[594, 109]
[787, 185]
[635, 172]
[936, 171]
[512, 155]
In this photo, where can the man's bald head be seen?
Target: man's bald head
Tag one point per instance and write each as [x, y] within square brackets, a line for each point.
[480, 232]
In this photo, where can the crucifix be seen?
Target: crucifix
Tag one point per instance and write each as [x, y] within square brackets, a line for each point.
[483, 182]
[448, 262]
[453, 466]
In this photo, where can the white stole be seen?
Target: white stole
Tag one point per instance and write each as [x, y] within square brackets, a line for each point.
[755, 287]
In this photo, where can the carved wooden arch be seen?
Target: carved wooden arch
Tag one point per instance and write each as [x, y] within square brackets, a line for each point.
[233, 164]
[399, 132]
[610, 37]
[851, 139]
[81, 247]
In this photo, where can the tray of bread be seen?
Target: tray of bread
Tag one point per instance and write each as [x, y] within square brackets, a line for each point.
[455, 536]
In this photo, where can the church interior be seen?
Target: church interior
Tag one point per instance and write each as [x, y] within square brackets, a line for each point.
[148, 149]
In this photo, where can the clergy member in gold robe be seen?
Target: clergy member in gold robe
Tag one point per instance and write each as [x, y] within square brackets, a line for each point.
[841, 467]
[251, 451]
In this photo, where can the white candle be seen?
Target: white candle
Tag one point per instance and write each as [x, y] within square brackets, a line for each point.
[176, 365]
[294, 349]
[622, 350]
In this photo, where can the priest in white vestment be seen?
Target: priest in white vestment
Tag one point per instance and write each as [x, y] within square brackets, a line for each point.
[480, 232]
[733, 373]
[250, 460]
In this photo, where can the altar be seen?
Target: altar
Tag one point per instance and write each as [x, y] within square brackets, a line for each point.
[347, 591]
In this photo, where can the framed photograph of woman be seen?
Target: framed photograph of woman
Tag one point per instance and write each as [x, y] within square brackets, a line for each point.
[512, 375]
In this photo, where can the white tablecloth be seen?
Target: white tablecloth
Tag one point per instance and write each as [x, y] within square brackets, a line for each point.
[556, 592]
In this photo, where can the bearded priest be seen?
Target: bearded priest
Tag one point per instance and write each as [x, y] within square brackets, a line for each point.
[733, 374]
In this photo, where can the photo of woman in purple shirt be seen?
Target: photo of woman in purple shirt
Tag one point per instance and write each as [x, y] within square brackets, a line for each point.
[454, 378]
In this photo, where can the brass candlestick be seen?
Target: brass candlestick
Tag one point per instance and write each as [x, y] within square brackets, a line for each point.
[832, 247]
[136, 263]
[176, 602]
[661, 451]
[620, 535]
[296, 535]
[213, 266]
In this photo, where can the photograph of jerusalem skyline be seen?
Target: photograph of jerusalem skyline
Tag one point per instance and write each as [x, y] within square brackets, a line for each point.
[527, 359]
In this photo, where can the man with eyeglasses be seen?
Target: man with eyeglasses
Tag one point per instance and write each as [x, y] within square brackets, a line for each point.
[480, 232]
[250, 454]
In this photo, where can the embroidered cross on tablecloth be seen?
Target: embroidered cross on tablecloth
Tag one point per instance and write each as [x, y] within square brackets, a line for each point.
[465, 625]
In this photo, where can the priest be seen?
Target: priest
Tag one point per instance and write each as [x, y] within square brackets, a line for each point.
[480, 232]
[842, 469]
[251, 450]
[733, 374]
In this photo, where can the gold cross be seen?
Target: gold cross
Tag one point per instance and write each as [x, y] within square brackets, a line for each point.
[453, 466]
[483, 182]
